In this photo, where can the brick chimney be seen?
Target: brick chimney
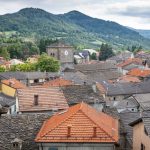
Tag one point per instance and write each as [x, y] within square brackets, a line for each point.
[69, 130]
[94, 131]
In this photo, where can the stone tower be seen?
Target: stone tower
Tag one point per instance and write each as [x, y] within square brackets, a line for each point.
[63, 53]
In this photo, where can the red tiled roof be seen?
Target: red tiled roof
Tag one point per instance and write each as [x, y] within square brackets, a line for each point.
[139, 72]
[48, 99]
[81, 119]
[58, 82]
[129, 61]
[128, 78]
[14, 83]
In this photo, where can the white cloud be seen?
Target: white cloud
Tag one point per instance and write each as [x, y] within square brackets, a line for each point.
[133, 13]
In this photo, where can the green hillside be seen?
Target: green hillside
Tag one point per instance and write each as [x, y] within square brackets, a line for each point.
[73, 27]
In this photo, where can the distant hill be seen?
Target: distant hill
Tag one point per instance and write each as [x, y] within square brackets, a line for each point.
[74, 27]
[144, 33]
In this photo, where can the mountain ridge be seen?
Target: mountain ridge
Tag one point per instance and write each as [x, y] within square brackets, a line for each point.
[74, 27]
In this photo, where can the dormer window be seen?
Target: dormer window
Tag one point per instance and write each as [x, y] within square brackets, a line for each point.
[36, 100]
[15, 145]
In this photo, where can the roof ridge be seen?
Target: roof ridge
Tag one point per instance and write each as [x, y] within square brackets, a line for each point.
[98, 126]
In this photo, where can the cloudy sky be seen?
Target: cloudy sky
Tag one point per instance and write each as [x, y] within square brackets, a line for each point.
[132, 13]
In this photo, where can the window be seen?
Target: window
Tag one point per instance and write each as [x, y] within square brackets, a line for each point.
[53, 148]
[36, 98]
[142, 147]
[36, 80]
[15, 145]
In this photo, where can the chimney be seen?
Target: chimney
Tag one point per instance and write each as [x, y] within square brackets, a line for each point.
[68, 130]
[94, 87]
[94, 131]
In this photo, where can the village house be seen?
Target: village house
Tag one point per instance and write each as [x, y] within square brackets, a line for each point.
[141, 132]
[100, 71]
[125, 118]
[119, 91]
[142, 74]
[40, 100]
[9, 87]
[121, 57]
[131, 63]
[30, 78]
[128, 79]
[89, 94]
[7, 104]
[79, 127]
[15, 62]
[143, 101]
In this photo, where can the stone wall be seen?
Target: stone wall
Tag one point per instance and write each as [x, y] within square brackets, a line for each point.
[23, 126]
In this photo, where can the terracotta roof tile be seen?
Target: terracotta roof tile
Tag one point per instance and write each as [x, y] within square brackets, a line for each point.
[129, 61]
[58, 82]
[81, 119]
[139, 72]
[128, 78]
[14, 83]
[48, 99]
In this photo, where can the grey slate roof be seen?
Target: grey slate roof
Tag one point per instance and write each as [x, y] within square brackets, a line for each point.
[127, 103]
[121, 57]
[76, 77]
[24, 127]
[143, 100]
[127, 117]
[6, 101]
[100, 66]
[78, 93]
[103, 76]
[27, 75]
[126, 88]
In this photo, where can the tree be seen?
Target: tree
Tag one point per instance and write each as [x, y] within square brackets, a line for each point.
[27, 67]
[2, 69]
[4, 53]
[105, 52]
[47, 63]
[93, 56]
[45, 42]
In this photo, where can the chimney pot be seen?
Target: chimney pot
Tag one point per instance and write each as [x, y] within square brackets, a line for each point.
[68, 130]
[94, 131]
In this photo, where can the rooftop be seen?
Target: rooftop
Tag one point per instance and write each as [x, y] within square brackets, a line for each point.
[100, 66]
[78, 93]
[48, 99]
[58, 82]
[13, 83]
[139, 72]
[129, 61]
[85, 123]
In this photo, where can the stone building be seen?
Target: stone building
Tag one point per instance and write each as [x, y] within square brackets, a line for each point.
[62, 52]
[141, 132]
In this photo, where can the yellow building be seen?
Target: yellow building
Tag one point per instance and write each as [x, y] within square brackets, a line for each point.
[8, 87]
